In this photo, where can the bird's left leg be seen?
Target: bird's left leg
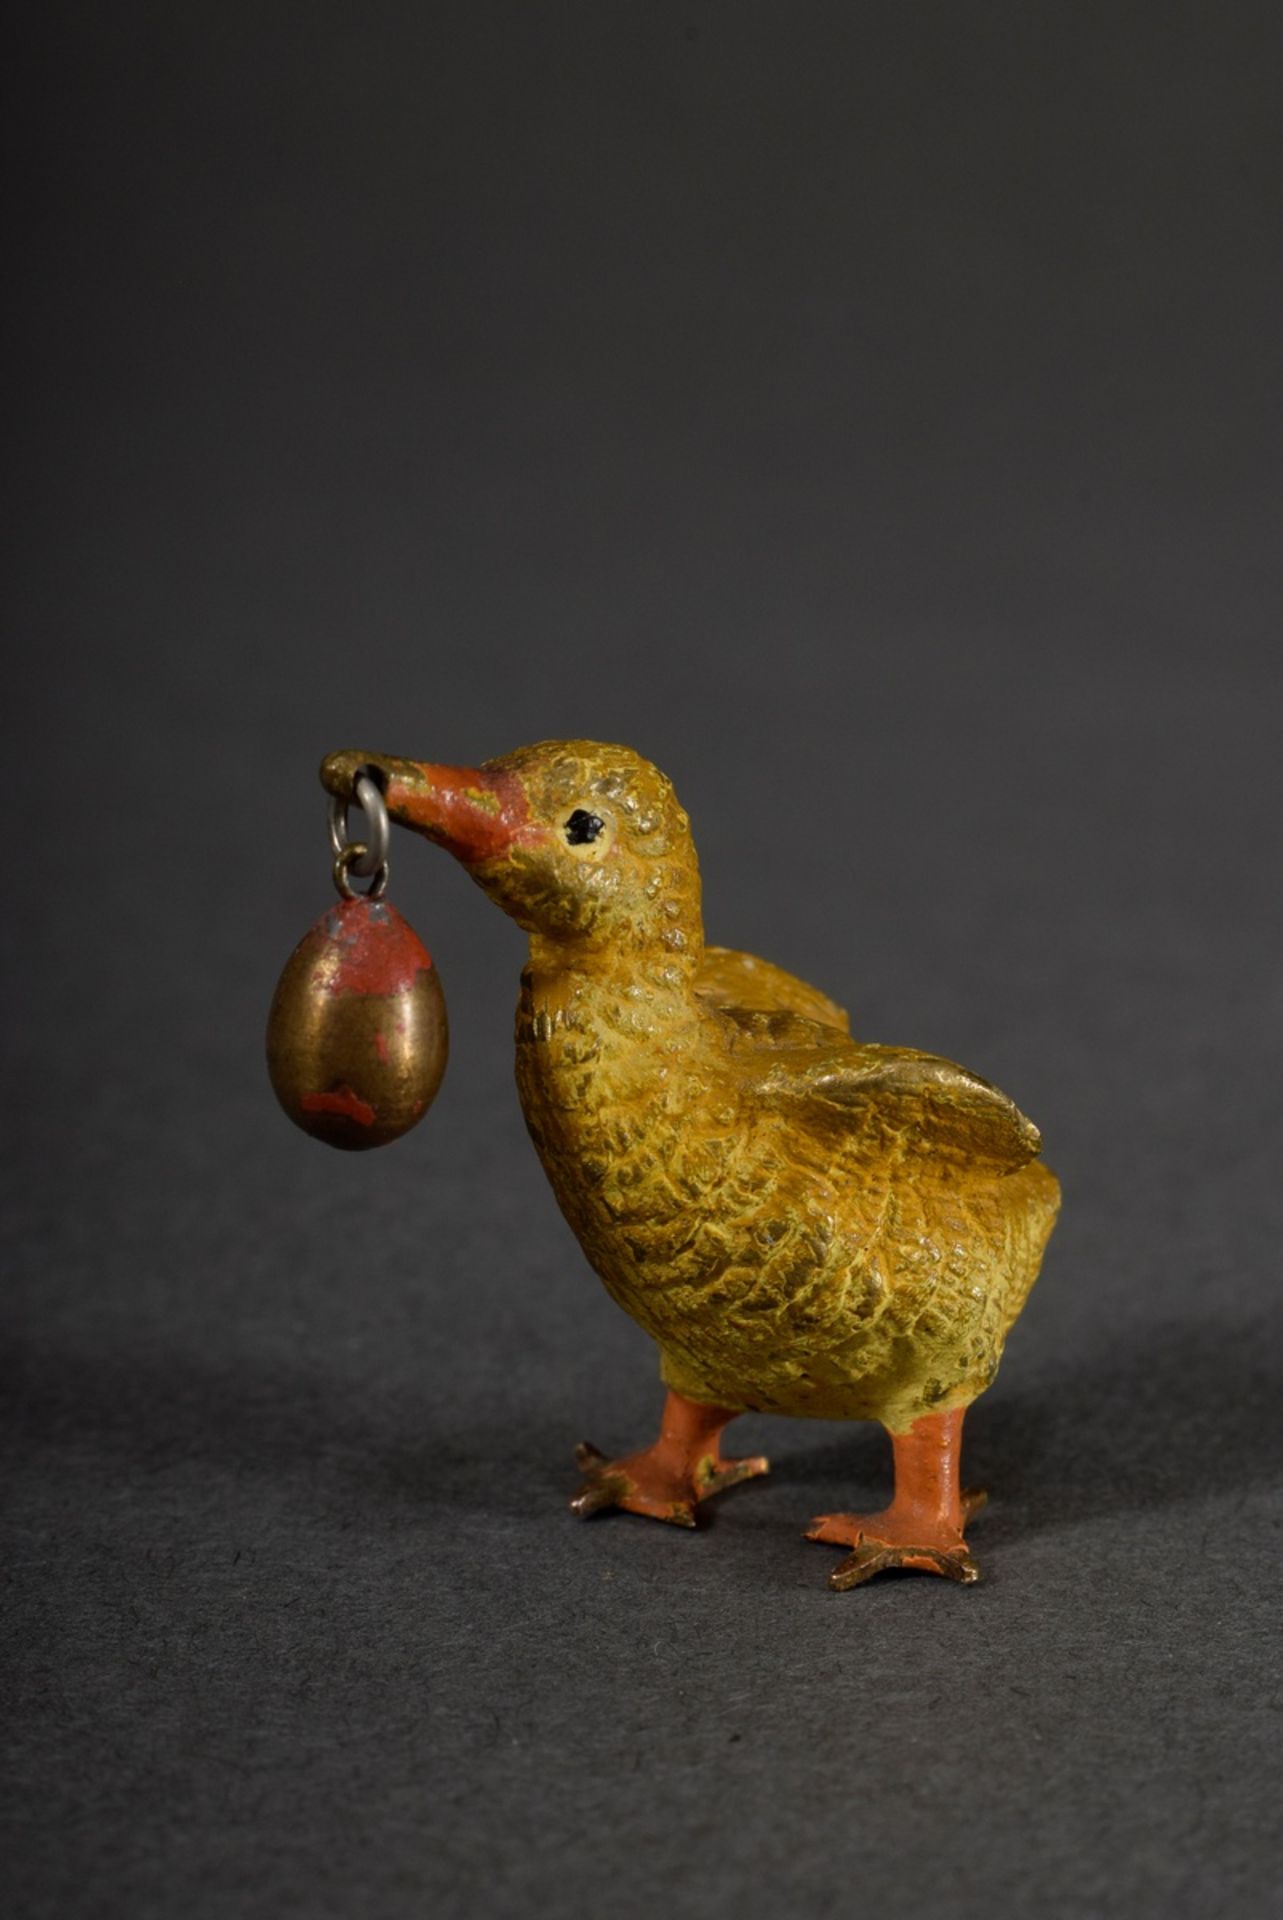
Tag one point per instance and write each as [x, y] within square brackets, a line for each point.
[922, 1528]
[668, 1479]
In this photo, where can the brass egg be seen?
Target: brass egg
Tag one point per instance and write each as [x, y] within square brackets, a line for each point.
[357, 1037]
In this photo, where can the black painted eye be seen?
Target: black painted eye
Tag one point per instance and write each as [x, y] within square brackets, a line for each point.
[582, 828]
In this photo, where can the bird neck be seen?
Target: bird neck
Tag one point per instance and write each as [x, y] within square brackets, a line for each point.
[622, 996]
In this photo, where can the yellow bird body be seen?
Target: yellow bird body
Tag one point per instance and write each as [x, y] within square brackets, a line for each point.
[783, 1260]
[805, 1223]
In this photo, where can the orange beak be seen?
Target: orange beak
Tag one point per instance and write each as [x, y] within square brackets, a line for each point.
[474, 813]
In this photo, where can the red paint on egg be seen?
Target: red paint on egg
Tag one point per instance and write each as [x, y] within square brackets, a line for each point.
[340, 1100]
[376, 951]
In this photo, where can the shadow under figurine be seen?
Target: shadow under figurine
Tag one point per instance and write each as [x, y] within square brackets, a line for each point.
[804, 1223]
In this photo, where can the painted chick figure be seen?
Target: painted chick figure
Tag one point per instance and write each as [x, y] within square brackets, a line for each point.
[804, 1223]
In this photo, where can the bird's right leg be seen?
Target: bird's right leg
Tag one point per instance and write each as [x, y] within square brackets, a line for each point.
[668, 1479]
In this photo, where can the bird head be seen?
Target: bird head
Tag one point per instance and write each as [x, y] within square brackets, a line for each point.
[584, 845]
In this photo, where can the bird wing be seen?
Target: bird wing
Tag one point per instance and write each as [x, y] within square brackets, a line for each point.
[879, 1098]
[793, 1051]
[740, 984]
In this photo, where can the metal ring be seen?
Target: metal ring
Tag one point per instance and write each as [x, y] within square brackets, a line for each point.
[374, 848]
[352, 856]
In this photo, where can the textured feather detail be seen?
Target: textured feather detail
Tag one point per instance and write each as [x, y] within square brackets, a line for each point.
[929, 1105]
[740, 983]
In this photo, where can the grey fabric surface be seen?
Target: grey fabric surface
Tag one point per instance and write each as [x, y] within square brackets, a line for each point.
[872, 414]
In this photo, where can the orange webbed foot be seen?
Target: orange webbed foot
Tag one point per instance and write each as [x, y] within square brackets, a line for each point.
[902, 1538]
[922, 1529]
[655, 1484]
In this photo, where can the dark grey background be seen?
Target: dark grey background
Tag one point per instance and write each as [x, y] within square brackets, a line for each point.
[872, 413]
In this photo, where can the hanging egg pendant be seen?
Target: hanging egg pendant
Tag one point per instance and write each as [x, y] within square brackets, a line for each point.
[357, 1036]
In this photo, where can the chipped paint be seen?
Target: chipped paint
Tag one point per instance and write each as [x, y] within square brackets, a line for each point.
[475, 813]
[369, 948]
[341, 1100]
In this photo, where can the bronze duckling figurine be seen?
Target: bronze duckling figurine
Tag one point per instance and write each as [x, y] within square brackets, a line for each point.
[805, 1224]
